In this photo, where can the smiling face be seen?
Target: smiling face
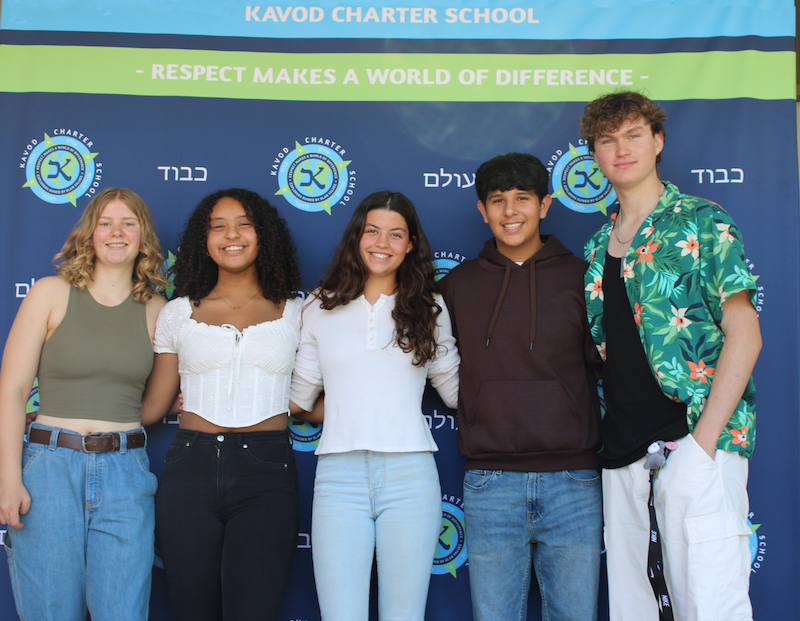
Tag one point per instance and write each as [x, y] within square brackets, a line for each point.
[117, 235]
[384, 243]
[232, 241]
[514, 217]
[627, 156]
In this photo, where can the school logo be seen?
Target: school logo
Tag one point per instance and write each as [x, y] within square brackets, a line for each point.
[443, 262]
[169, 272]
[578, 181]
[314, 176]
[758, 546]
[305, 436]
[451, 549]
[61, 169]
[33, 400]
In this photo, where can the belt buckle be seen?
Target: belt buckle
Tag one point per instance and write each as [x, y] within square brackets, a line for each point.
[94, 435]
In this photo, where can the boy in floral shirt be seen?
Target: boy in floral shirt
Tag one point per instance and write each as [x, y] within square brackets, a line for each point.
[670, 302]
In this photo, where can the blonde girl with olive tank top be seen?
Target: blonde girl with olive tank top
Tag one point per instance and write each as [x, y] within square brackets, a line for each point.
[79, 499]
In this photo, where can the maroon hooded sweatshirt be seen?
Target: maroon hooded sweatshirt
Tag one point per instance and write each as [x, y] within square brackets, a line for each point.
[527, 390]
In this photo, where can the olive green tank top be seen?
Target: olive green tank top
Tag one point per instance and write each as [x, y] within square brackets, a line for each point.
[96, 362]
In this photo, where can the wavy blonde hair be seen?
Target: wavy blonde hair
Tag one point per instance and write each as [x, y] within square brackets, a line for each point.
[75, 262]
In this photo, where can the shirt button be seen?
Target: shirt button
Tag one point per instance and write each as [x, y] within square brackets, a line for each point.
[220, 438]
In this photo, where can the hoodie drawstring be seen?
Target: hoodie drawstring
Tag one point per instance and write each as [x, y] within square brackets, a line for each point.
[496, 313]
[498, 305]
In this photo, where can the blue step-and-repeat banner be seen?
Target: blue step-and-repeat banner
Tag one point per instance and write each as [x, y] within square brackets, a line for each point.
[178, 98]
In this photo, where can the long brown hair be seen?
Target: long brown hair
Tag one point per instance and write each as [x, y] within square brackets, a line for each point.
[415, 309]
[75, 262]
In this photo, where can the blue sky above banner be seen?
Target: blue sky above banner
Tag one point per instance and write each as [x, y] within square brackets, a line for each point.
[420, 19]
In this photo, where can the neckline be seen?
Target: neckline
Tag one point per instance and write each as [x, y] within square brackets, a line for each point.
[103, 306]
[381, 300]
[228, 326]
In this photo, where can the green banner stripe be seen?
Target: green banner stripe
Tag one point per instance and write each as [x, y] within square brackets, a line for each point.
[394, 77]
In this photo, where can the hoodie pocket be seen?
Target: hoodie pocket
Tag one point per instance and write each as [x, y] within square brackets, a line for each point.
[524, 416]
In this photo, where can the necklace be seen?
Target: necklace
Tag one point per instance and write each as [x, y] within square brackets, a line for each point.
[622, 244]
[231, 305]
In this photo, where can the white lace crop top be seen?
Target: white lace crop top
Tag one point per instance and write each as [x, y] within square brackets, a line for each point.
[231, 378]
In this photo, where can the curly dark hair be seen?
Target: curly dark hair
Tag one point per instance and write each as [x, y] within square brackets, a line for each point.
[276, 265]
[609, 112]
[415, 309]
[513, 170]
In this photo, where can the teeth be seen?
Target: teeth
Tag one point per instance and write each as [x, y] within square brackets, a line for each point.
[117, 245]
[234, 248]
[512, 227]
[378, 255]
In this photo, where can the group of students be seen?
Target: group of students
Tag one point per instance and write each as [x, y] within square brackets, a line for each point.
[515, 339]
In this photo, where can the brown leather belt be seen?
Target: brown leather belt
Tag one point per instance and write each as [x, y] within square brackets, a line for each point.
[91, 442]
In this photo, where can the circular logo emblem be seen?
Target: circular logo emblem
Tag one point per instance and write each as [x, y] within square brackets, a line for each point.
[33, 399]
[442, 267]
[313, 178]
[169, 272]
[579, 183]
[60, 170]
[451, 550]
[758, 546]
[443, 262]
[305, 436]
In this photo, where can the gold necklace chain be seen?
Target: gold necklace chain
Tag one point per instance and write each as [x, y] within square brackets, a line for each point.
[618, 224]
[231, 305]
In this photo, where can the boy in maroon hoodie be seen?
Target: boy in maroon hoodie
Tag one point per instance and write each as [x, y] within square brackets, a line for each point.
[528, 407]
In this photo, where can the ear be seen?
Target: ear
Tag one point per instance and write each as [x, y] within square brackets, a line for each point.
[659, 138]
[482, 209]
[544, 205]
[411, 243]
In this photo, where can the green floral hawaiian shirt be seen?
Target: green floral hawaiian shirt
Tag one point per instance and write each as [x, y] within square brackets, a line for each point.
[686, 259]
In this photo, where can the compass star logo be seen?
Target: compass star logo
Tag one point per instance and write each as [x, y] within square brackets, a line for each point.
[313, 177]
[451, 549]
[579, 184]
[60, 170]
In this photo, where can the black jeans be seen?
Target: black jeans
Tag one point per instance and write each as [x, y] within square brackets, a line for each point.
[226, 523]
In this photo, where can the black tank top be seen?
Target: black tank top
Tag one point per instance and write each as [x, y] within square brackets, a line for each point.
[637, 411]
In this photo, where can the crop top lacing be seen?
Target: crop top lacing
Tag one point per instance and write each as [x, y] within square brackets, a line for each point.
[228, 377]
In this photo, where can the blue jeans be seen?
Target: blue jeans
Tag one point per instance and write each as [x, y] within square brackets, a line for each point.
[87, 540]
[367, 503]
[227, 519]
[552, 520]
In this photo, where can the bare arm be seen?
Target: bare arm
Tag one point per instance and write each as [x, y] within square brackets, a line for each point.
[162, 389]
[734, 367]
[316, 415]
[20, 364]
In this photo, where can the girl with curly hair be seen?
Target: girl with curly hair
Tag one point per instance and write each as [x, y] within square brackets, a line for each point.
[227, 509]
[372, 333]
[80, 497]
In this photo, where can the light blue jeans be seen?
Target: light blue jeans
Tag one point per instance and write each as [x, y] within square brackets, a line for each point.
[551, 520]
[367, 502]
[87, 540]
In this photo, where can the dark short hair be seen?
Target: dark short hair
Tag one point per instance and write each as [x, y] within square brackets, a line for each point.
[513, 170]
[609, 113]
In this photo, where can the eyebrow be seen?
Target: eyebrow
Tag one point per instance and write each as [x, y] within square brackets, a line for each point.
[375, 226]
[244, 215]
[638, 128]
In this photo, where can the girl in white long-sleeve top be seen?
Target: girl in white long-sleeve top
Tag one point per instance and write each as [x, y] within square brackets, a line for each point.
[372, 334]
